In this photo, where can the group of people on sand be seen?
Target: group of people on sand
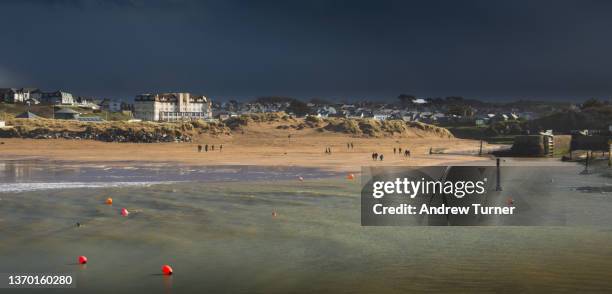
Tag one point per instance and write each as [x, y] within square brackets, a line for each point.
[376, 156]
[399, 151]
[349, 146]
[212, 148]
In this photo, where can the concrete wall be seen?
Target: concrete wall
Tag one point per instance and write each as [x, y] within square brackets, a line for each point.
[595, 143]
[529, 145]
[537, 145]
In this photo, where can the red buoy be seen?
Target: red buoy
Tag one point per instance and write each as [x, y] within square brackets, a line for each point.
[350, 177]
[82, 259]
[166, 270]
[124, 212]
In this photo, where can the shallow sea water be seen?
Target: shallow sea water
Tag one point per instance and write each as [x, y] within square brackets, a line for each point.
[218, 233]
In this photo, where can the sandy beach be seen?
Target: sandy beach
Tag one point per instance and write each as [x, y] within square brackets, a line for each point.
[260, 145]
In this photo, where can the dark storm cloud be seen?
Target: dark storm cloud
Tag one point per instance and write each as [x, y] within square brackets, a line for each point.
[486, 49]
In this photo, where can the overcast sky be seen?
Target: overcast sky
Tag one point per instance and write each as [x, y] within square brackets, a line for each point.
[330, 49]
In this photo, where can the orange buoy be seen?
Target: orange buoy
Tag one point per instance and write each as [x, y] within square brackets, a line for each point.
[82, 259]
[109, 201]
[350, 176]
[124, 212]
[167, 270]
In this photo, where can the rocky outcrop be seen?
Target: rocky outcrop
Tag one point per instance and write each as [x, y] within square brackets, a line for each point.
[112, 134]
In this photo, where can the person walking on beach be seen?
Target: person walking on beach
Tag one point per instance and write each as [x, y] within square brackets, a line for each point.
[212, 147]
[381, 157]
[352, 147]
[206, 148]
[394, 150]
[348, 146]
[374, 156]
[399, 151]
[199, 148]
[221, 148]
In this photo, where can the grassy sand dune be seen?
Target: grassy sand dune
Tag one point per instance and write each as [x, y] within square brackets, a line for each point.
[257, 140]
[148, 132]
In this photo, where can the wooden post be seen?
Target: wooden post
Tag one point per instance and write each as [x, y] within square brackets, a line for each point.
[586, 164]
[610, 154]
[480, 152]
[498, 186]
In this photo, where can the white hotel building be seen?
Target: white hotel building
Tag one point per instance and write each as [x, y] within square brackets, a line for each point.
[171, 107]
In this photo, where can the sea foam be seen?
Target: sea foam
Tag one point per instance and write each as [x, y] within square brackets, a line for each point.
[25, 187]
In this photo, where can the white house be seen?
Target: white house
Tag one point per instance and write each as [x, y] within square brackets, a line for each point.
[86, 103]
[380, 116]
[171, 107]
[419, 101]
[326, 111]
[15, 95]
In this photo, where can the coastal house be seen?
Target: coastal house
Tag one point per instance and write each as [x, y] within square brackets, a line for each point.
[32, 101]
[110, 105]
[361, 113]
[171, 107]
[222, 115]
[16, 95]
[56, 98]
[326, 111]
[381, 116]
[87, 103]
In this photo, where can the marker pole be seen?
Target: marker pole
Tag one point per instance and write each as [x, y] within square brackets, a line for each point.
[498, 186]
